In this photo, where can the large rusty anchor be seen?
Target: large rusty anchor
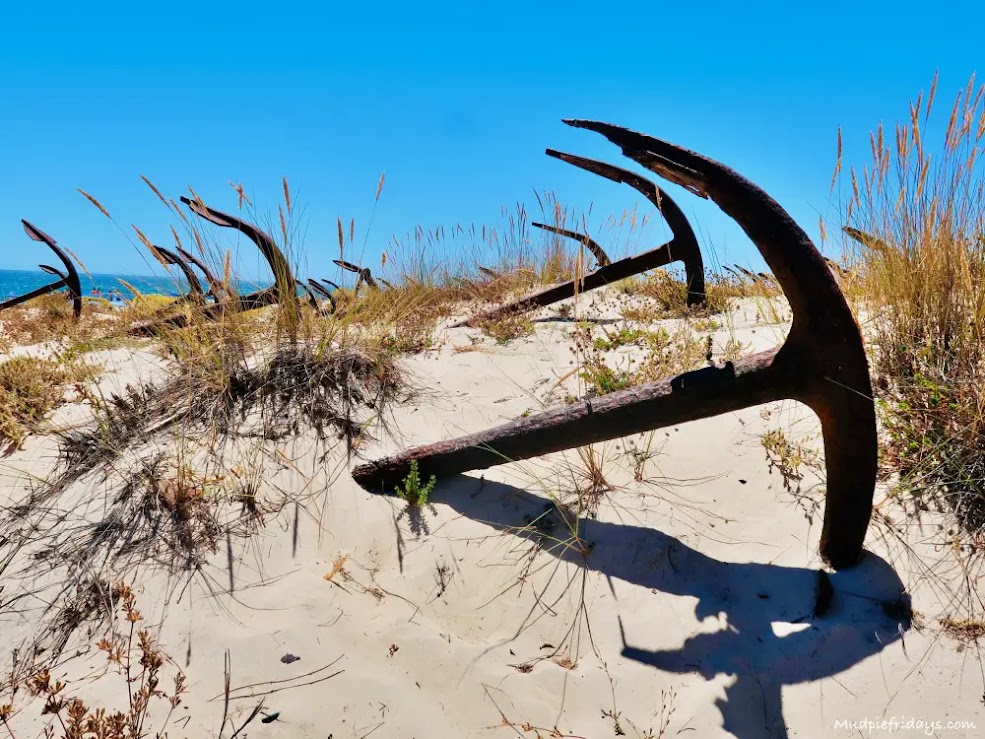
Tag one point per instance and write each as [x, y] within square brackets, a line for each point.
[683, 247]
[68, 279]
[822, 364]
[283, 291]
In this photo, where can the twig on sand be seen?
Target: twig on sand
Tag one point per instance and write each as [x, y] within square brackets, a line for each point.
[228, 694]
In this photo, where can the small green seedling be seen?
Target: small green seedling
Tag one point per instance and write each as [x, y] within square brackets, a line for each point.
[412, 492]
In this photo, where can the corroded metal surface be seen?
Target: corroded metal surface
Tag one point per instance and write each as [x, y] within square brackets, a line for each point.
[822, 364]
[216, 289]
[283, 279]
[317, 287]
[52, 271]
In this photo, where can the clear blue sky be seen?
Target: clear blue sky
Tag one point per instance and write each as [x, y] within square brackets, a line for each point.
[455, 101]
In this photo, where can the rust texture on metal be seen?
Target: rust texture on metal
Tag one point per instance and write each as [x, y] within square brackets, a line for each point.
[52, 271]
[364, 274]
[822, 364]
[683, 247]
[283, 291]
[69, 279]
[591, 244]
[283, 279]
[329, 284]
[312, 300]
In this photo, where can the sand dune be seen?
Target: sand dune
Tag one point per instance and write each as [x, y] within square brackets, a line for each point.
[686, 604]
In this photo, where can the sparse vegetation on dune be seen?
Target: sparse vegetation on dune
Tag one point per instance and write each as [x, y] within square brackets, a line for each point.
[30, 389]
[138, 661]
[919, 279]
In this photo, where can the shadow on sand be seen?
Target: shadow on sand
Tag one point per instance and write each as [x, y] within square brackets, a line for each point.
[868, 608]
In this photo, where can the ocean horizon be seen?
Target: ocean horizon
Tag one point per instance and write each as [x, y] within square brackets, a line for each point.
[14, 282]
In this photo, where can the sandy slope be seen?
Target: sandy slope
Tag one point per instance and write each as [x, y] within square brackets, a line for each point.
[692, 615]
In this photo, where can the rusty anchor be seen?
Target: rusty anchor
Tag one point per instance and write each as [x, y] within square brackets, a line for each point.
[320, 289]
[365, 275]
[216, 289]
[312, 300]
[195, 293]
[68, 279]
[683, 247]
[283, 291]
[822, 364]
[52, 271]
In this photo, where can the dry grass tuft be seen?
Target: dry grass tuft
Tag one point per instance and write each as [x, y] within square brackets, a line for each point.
[132, 653]
[963, 630]
[923, 278]
[49, 317]
[30, 389]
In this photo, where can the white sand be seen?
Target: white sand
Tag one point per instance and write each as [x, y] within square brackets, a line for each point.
[693, 615]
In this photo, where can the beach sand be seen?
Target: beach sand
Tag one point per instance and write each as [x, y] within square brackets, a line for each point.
[685, 606]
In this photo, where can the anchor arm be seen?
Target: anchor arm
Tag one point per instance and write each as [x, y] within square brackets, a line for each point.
[215, 287]
[71, 274]
[195, 287]
[591, 244]
[687, 249]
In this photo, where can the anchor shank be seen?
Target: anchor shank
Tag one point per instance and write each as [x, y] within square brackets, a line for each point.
[686, 397]
[612, 272]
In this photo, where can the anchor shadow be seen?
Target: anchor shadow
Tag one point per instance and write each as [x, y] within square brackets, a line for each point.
[864, 610]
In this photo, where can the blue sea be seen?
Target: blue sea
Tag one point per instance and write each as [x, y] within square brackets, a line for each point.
[15, 282]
